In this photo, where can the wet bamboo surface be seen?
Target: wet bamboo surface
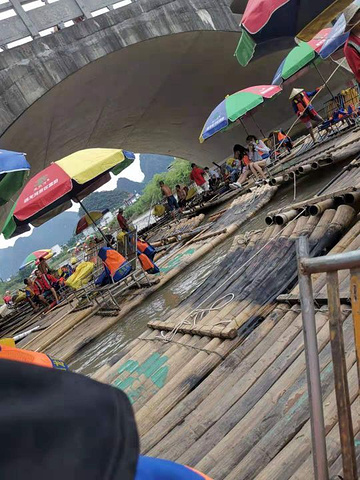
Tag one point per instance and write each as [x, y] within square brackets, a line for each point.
[77, 330]
[230, 407]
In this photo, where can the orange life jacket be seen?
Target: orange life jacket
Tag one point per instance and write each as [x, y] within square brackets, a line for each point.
[141, 246]
[27, 356]
[281, 136]
[113, 261]
[145, 261]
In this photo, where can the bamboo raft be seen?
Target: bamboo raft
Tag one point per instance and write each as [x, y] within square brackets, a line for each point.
[65, 338]
[236, 406]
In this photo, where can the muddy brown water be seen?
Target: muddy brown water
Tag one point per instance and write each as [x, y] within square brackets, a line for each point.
[94, 355]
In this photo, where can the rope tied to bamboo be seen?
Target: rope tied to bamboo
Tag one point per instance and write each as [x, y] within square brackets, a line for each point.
[197, 315]
[193, 314]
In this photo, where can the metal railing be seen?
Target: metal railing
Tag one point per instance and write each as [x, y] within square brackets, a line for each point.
[24, 20]
[330, 265]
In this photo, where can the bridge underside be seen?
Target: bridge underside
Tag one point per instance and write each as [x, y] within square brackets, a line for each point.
[151, 97]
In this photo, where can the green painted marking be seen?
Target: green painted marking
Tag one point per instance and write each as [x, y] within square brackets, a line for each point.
[174, 262]
[151, 369]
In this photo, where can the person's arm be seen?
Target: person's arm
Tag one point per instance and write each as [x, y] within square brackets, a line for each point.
[52, 278]
[313, 93]
[191, 176]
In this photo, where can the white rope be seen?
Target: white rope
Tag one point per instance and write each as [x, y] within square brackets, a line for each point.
[193, 314]
[294, 186]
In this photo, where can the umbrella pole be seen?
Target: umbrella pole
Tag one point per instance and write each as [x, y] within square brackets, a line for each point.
[244, 126]
[258, 126]
[88, 214]
[324, 82]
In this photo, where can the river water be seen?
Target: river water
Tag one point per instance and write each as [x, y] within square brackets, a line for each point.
[91, 357]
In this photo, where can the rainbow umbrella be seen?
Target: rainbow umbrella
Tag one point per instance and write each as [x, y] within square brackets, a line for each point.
[35, 257]
[89, 219]
[271, 25]
[13, 171]
[235, 106]
[300, 57]
[52, 191]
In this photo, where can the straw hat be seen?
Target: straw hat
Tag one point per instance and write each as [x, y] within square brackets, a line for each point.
[350, 12]
[295, 91]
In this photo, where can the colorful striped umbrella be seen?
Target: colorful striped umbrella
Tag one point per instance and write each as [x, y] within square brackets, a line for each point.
[89, 219]
[300, 57]
[13, 171]
[51, 191]
[234, 107]
[271, 25]
[36, 256]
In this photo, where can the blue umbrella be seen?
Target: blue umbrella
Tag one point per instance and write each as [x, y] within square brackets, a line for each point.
[13, 172]
[337, 36]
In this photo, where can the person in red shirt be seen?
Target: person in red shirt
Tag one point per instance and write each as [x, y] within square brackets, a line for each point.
[197, 176]
[45, 284]
[352, 45]
[7, 298]
[122, 221]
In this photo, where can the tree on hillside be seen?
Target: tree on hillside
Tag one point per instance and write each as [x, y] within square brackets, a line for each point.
[179, 172]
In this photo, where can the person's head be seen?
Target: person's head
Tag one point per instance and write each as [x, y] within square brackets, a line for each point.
[26, 281]
[206, 169]
[177, 187]
[239, 151]
[251, 139]
[161, 184]
[37, 273]
[352, 18]
[7, 292]
[121, 211]
[193, 165]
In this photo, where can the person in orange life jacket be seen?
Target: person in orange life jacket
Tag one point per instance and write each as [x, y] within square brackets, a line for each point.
[31, 296]
[146, 248]
[33, 358]
[241, 155]
[301, 104]
[116, 267]
[284, 140]
[147, 264]
[352, 45]
[45, 284]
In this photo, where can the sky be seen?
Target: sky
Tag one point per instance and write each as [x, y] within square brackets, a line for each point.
[133, 172]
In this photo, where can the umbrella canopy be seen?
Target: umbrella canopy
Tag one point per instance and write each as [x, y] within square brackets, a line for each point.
[51, 191]
[13, 171]
[269, 25]
[89, 219]
[300, 57]
[236, 106]
[36, 256]
[337, 36]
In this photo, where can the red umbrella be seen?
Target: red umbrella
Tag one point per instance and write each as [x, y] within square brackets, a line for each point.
[89, 219]
[271, 25]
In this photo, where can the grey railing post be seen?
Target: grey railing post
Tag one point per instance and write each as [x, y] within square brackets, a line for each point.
[25, 18]
[312, 365]
[82, 5]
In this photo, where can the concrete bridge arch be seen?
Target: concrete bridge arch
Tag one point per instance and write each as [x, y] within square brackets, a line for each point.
[143, 77]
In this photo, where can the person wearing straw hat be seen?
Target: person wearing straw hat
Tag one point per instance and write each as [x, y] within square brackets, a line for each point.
[303, 108]
[352, 45]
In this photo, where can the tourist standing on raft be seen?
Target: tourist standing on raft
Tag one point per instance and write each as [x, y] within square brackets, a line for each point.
[304, 110]
[166, 192]
[352, 45]
[197, 176]
[122, 221]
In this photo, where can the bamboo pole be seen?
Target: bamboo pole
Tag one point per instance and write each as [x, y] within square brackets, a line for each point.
[222, 379]
[320, 207]
[204, 330]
